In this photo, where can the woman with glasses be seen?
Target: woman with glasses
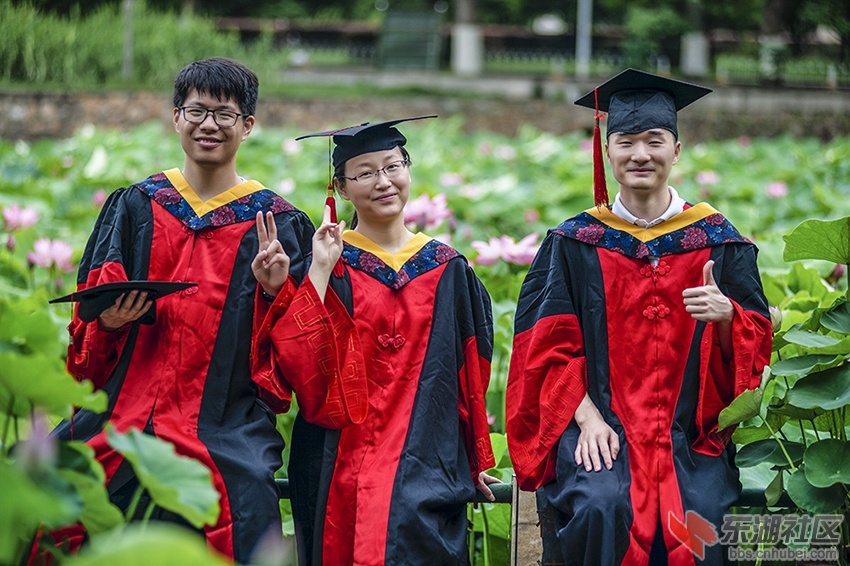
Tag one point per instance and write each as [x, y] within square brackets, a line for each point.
[403, 321]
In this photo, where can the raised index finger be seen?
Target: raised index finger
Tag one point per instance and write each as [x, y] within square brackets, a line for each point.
[262, 234]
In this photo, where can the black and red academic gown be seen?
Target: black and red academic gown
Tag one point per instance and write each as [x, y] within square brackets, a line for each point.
[187, 378]
[595, 316]
[413, 332]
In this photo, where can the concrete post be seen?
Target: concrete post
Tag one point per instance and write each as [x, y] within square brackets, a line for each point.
[695, 54]
[467, 49]
[526, 544]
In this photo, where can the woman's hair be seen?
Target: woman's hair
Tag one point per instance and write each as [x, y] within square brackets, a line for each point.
[339, 175]
[219, 77]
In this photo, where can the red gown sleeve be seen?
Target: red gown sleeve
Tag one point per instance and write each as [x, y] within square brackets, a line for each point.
[311, 348]
[474, 378]
[547, 378]
[752, 337]
[93, 353]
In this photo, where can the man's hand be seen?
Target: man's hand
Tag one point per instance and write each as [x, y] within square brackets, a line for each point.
[483, 482]
[707, 303]
[598, 444]
[128, 307]
[271, 264]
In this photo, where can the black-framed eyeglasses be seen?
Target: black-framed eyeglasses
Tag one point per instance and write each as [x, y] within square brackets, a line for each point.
[197, 115]
[391, 170]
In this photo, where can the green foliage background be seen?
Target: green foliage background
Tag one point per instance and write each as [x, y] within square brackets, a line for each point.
[495, 185]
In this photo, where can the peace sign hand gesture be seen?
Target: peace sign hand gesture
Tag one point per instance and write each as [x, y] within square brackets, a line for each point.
[271, 264]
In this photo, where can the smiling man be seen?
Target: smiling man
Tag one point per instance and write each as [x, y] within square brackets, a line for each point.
[185, 372]
[636, 324]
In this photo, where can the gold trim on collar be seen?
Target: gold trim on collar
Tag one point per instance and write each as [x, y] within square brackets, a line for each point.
[202, 207]
[681, 220]
[396, 261]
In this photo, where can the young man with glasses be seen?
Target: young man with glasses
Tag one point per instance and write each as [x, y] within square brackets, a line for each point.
[187, 367]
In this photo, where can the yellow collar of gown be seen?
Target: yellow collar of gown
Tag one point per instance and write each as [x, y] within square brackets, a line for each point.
[397, 260]
[681, 220]
[202, 207]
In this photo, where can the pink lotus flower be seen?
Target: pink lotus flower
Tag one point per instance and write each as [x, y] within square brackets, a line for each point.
[49, 253]
[17, 218]
[522, 252]
[98, 198]
[506, 249]
[450, 179]
[39, 452]
[708, 178]
[490, 252]
[290, 146]
[505, 152]
[425, 213]
[837, 273]
[776, 190]
[531, 215]
[286, 186]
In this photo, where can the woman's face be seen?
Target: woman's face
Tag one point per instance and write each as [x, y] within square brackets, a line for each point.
[378, 185]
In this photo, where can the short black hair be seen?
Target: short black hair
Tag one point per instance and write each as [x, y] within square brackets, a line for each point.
[219, 77]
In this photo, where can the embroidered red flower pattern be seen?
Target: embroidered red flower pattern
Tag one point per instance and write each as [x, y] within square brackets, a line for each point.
[694, 238]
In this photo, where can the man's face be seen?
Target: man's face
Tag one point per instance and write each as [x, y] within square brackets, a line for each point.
[209, 144]
[642, 162]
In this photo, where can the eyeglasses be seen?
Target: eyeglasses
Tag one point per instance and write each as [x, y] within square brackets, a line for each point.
[391, 170]
[197, 115]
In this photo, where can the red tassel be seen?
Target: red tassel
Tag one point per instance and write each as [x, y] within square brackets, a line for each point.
[329, 201]
[600, 187]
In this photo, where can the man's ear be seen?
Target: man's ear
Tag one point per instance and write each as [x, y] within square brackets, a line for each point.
[248, 127]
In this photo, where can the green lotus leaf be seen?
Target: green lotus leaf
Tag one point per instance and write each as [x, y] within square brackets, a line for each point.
[828, 462]
[810, 339]
[801, 365]
[29, 502]
[819, 239]
[774, 489]
[176, 483]
[38, 381]
[813, 499]
[837, 319]
[829, 389]
[500, 449]
[791, 412]
[78, 466]
[769, 452]
[745, 406]
[148, 545]
[750, 434]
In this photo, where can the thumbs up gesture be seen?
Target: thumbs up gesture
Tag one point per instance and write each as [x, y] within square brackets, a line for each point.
[707, 303]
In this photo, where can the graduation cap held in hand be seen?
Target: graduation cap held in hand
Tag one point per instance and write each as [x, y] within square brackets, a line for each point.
[356, 140]
[97, 299]
[636, 101]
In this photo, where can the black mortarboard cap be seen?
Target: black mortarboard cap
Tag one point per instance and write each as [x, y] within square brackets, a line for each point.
[356, 140]
[637, 101]
[95, 300]
[364, 138]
